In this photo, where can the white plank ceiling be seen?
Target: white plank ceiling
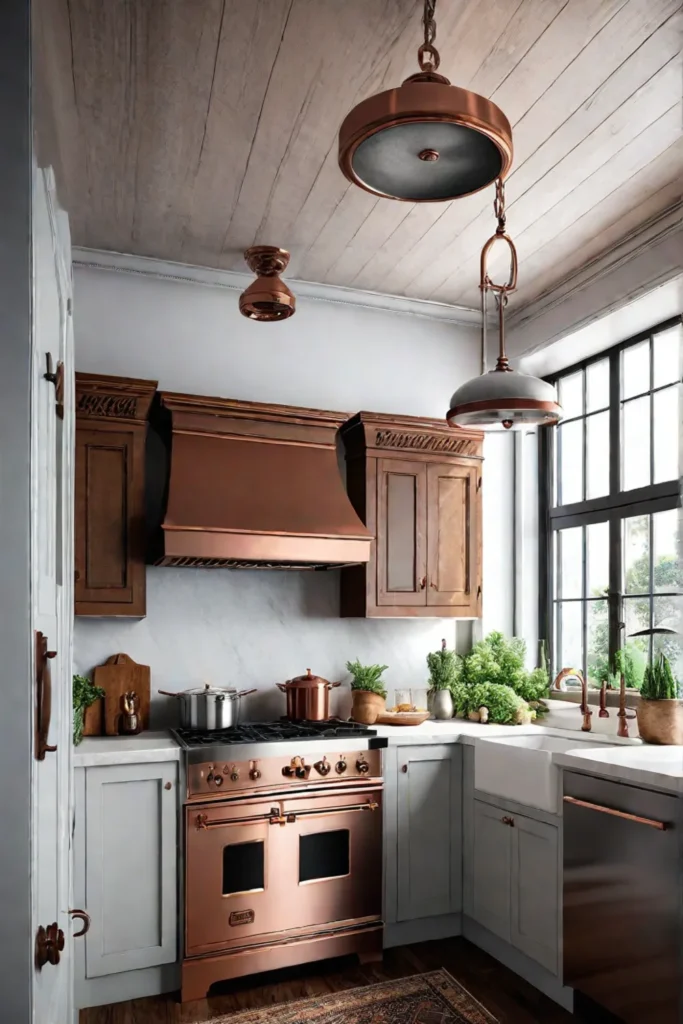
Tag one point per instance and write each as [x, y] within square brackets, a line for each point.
[191, 129]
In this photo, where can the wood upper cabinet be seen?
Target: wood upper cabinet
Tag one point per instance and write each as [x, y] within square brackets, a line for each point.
[416, 484]
[111, 417]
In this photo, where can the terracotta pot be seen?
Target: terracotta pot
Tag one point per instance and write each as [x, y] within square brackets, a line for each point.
[661, 721]
[367, 706]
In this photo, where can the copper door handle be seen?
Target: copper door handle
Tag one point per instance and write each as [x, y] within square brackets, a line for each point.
[83, 916]
[661, 826]
[201, 821]
[372, 805]
[43, 697]
[422, 583]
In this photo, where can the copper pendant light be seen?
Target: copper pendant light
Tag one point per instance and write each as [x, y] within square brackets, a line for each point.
[267, 298]
[427, 141]
[503, 397]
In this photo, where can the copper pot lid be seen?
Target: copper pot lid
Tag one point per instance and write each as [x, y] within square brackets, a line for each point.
[308, 681]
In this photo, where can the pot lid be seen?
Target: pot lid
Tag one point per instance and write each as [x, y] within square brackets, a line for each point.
[307, 681]
[208, 690]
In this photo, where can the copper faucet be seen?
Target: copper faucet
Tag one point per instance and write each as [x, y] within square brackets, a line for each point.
[585, 709]
[603, 713]
[622, 729]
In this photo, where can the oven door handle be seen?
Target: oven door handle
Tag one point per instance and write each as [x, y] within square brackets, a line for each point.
[202, 821]
[289, 818]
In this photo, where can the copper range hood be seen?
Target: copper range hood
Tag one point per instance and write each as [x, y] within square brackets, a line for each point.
[255, 486]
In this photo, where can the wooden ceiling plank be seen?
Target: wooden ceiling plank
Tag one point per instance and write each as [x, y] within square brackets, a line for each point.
[645, 194]
[581, 79]
[600, 147]
[588, 196]
[247, 49]
[347, 219]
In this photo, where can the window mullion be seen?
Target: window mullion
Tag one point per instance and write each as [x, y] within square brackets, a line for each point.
[615, 607]
[614, 424]
[584, 595]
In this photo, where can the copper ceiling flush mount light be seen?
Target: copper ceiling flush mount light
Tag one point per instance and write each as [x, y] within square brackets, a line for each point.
[503, 397]
[427, 141]
[267, 298]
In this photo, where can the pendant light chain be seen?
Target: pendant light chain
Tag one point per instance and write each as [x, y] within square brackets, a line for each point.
[428, 55]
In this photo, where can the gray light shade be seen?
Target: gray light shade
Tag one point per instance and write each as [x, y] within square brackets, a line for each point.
[501, 399]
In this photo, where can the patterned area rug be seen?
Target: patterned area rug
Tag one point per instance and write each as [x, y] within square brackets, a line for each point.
[433, 998]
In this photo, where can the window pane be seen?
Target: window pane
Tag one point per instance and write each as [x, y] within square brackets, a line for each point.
[597, 455]
[597, 559]
[598, 642]
[667, 352]
[571, 562]
[635, 370]
[666, 616]
[637, 617]
[571, 623]
[637, 555]
[571, 462]
[635, 458]
[597, 385]
[667, 570]
[666, 434]
[571, 395]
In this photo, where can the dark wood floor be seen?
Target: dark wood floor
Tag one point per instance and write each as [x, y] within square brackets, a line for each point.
[509, 998]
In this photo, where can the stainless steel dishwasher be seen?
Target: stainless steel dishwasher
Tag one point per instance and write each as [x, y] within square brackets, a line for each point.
[622, 898]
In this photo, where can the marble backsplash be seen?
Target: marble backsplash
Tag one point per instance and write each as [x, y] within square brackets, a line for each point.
[255, 629]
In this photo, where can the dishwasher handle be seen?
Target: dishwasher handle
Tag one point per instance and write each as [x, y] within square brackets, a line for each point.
[661, 826]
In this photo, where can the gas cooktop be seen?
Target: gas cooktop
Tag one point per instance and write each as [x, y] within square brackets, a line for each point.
[271, 732]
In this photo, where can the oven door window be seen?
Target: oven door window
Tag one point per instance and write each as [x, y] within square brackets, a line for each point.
[323, 855]
[243, 868]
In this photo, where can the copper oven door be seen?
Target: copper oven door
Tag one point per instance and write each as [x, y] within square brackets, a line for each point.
[272, 866]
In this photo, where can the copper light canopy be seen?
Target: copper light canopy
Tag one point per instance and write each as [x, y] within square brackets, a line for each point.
[427, 141]
[268, 298]
[503, 397]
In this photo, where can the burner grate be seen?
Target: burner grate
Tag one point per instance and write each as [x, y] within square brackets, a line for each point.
[273, 732]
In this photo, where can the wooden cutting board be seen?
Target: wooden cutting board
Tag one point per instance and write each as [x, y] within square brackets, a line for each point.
[117, 676]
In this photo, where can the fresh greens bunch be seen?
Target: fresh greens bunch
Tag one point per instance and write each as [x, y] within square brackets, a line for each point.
[505, 707]
[659, 682]
[367, 677]
[84, 693]
[445, 669]
[498, 660]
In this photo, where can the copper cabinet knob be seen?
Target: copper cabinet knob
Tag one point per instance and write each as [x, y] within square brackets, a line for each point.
[168, 785]
[507, 820]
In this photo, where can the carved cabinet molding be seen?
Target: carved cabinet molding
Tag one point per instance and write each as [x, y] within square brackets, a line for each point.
[416, 484]
[111, 419]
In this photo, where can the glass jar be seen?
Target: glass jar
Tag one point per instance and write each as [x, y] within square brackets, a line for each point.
[403, 700]
[420, 699]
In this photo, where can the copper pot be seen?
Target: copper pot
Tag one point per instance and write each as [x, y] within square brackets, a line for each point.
[308, 697]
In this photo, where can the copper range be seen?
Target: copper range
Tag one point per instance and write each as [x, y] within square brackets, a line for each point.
[283, 848]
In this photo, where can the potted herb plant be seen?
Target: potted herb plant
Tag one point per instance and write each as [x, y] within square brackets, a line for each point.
[444, 672]
[84, 693]
[369, 692]
[660, 710]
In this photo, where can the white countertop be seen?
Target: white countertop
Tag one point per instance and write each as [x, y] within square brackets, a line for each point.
[106, 750]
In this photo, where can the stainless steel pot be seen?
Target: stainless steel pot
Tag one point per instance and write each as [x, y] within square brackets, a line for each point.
[209, 707]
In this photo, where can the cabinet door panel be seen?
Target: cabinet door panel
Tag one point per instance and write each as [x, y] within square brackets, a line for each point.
[401, 521]
[534, 912]
[429, 832]
[130, 868]
[491, 875]
[453, 546]
[109, 525]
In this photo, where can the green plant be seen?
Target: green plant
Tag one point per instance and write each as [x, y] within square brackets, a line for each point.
[504, 705]
[445, 669]
[659, 682]
[84, 693]
[495, 659]
[367, 677]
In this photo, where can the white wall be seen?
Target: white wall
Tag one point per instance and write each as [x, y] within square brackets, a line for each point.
[257, 628]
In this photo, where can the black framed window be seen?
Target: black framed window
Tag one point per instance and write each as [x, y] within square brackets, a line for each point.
[609, 507]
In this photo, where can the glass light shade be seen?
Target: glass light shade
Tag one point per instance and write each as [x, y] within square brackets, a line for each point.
[501, 399]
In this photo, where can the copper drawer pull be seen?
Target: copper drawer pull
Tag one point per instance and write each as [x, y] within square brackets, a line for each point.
[83, 916]
[662, 826]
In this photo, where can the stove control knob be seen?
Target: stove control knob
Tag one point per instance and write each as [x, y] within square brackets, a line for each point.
[362, 767]
[254, 774]
[340, 767]
[209, 774]
[218, 779]
[234, 775]
[323, 767]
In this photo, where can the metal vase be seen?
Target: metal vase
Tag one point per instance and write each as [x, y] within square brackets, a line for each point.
[442, 704]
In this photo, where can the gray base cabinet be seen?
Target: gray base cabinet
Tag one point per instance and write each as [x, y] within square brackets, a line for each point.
[515, 881]
[126, 871]
[423, 835]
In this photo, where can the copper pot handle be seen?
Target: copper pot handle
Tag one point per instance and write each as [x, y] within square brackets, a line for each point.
[83, 916]
[332, 685]
[282, 686]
